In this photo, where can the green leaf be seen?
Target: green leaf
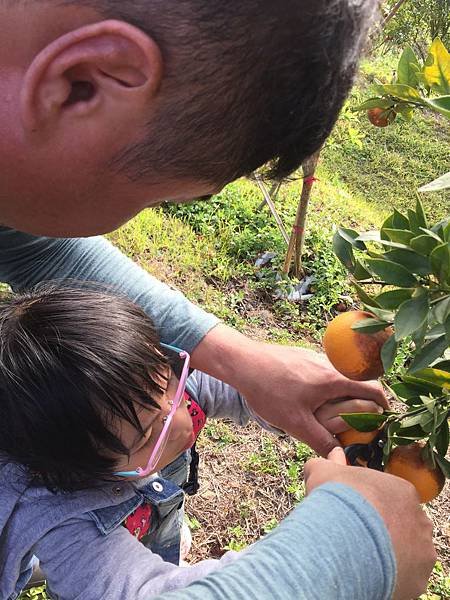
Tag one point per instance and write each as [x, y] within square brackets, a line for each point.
[388, 224]
[443, 439]
[441, 309]
[418, 337]
[404, 441]
[440, 263]
[435, 376]
[443, 365]
[364, 296]
[402, 91]
[428, 354]
[447, 329]
[446, 229]
[415, 433]
[383, 314]
[391, 273]
[414, 262]
[413, 222]
[444, 465]
[360, 273]
[420, 213]
[399, 221]
[364, 421]
[412, 421]
[400, 236]
[433, 233]
[435, 332]
[423, 244]
[351, 236]
[388, 353]
[408, 66]
[407, 391]
[391, 300]
[429, 403]
[369, 326]
[404, 109]
[427, 422]
[440, 105]
[344, 251]
[383, 103]
[411, 316]
[441, 183]
[427, 386]
[379, 237]
[437, 68]
[370, 236]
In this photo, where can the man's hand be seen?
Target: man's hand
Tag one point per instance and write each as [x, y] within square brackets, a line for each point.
[397, 502]
[286, 386]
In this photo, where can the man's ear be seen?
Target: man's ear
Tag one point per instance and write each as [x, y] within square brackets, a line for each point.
[106, 65]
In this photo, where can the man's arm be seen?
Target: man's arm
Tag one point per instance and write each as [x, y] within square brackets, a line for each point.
[332, 546]
[285, 386]
[27, 260]
[320, 551]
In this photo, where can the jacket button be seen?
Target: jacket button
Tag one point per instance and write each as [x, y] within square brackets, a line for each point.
[157, 486]
[117, 491]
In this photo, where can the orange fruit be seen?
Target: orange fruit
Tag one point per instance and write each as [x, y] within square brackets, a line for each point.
[408, 463]
[355, 355]
[352, 436]
[381, 117]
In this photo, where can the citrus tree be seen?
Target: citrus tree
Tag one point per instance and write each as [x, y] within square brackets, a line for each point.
[401, 274]
[416, 86]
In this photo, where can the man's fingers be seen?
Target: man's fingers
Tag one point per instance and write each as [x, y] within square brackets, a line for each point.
[337, 456]
[328, 414]
[308, 470]
[369, 390]
[317, 437]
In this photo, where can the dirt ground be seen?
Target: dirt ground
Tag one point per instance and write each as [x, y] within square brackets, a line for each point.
[248, 483]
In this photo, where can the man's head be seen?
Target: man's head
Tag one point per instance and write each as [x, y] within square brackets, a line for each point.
[109, 106]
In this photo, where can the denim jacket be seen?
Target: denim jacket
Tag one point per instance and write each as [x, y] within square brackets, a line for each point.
[104, 519]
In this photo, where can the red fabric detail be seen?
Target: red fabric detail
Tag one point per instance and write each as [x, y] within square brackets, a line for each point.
[310, 180]
[197, 414]
[138, 523]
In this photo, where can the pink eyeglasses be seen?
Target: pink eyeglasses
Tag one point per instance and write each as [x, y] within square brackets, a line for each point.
[179, 361]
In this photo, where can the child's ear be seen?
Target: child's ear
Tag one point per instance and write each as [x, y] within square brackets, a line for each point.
[109, 67]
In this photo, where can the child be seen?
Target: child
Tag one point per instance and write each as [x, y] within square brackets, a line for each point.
[92, 407]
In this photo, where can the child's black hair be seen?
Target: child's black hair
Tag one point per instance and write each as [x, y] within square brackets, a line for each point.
[72, 361]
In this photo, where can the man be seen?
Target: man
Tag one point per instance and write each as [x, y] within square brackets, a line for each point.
[110, 106]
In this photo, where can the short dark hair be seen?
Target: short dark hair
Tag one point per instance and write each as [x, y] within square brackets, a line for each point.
[72, 360]
[247, 83]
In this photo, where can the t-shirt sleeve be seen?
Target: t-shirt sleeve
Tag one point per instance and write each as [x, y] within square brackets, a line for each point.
[27, 260]
[222, 401]
[333, 546]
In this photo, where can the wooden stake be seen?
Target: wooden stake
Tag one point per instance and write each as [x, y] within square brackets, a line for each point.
[297, 238]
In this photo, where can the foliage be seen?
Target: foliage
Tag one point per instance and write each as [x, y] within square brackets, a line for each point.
[439, 587]
[409, 259]
[415, 85]
[38, 593]
[417, 22]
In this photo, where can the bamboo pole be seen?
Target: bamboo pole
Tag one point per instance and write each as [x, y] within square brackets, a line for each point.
[297, 239]
[273, 210]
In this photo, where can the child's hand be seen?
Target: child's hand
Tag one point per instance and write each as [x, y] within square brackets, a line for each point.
[328, 414]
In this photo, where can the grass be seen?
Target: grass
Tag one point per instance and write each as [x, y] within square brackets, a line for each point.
[208, 250]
